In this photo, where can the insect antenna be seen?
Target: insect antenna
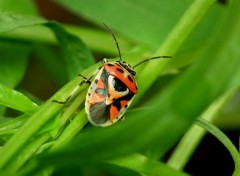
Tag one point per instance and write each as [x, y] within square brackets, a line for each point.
[146, 60]
[118, 48]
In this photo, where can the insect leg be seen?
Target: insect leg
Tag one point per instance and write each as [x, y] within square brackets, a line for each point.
[62, 102]
[85, 80]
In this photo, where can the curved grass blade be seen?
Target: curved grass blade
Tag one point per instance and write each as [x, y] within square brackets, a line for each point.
[15, 100]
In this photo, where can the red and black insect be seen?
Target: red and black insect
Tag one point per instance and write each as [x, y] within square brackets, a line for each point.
[112, 90]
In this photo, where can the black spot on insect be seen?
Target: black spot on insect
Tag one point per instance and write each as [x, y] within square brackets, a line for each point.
[89, 94]
[130, 78]
[119, 85]
[110, 65]
[117, 104]
[126, 106]
[120, 70]
[127, 97]
[96, 81]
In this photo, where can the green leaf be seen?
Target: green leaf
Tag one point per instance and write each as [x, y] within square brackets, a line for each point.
[10, 21]
[77, 56]
[15, 100]
[19, 6]
[13, 66]
[147, 22]
[53, 66]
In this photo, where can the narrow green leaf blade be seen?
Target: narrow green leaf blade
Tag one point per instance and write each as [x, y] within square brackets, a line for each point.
[194, 135]
[15, 100]
[225, 141]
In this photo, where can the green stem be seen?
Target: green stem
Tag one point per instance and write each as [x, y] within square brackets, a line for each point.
[31, 127]
[69, 132]
[185, 26]
[225, 141]
[173, 42]
[71, 110]
[45, 113]
[32, 147]
[192, 138]
[25, 154]
[8, 132]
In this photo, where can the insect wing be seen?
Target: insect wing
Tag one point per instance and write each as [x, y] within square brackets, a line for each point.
[104, 103]
[95, 104]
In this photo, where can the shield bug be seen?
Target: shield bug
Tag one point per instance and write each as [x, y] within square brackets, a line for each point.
[112, 90]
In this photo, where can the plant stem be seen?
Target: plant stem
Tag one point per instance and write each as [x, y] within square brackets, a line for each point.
[45, 113]
[30, 128]
[192, 138]
[185, 26]
[225, 141]
[69, 132]
[173, 42]
[25, 154]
